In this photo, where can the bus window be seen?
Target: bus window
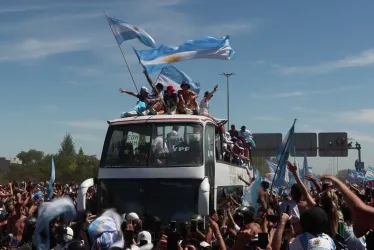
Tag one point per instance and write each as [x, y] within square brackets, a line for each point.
[155, 144]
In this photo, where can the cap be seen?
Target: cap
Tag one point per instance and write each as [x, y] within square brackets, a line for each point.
[170, 88]
[69, 234]
[145, 89]
[132, 216]
[204, 244]
[185, 83]
[144, 236]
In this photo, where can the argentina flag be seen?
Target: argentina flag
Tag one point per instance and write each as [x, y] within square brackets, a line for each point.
[124, 31]
[206, 47]
[282, 155]
[369, 176]
[51, 180]
[172, 76]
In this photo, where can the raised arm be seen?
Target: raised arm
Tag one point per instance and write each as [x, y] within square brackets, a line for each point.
[127, 92]
[212, 93]
[304, 191]
[153, 86]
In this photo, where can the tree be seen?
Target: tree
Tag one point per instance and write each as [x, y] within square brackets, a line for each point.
[81, 153]
[31, 156]
[67, 147]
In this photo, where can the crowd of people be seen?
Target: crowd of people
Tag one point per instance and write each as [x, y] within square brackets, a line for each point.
[331, 215]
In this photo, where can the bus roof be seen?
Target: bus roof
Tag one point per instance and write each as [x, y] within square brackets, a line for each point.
[160, 118]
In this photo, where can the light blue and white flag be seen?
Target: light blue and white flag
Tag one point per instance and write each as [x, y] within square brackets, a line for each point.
[282, 155]
[305, 172]
[124, 31]
[369, 176]
[48, 211]
[251, 196]
[172, 76]
[206, 47]
[51, 180]
[355, 176]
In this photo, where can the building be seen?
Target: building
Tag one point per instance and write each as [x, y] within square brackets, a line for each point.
[15, 160]
[4, 164]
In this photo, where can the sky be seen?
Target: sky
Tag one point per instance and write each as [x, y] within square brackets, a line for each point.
[60, 67]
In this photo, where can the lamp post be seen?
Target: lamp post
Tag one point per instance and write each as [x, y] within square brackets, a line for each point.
[227, 75]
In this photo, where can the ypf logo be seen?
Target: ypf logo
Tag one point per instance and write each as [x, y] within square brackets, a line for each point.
[181, 149]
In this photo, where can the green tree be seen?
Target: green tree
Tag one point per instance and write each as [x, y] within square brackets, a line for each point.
[81, 153]
[67, 147]
[31, 156]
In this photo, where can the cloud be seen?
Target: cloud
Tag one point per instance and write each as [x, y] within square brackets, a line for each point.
[361, 115]
[360, 137]
[266, 118]
[31, 49]
[89, 124]
[365, 58]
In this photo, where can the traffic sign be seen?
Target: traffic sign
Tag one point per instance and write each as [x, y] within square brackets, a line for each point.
[305, 143]
[266, 144]
[333, 144]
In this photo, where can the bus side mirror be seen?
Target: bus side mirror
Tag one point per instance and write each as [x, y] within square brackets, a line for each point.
[203, 199]
[82, 191]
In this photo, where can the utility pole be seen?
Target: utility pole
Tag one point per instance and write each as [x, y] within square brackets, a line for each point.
[227, 75]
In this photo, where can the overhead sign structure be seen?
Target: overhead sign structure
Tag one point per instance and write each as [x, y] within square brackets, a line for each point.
[333, 144]
[266, 144]
[305, 143]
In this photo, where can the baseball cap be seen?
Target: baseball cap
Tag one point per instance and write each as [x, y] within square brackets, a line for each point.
[170, 88]
[144, 236]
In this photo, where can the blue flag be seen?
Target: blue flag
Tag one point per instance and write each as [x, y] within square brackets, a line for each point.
[369, 176]
[51, 180]
[172, 76]
[124, 31]
[282, 155]
[206, 47]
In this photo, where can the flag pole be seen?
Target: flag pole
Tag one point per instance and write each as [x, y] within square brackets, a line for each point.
[283, 151]
[123, 55]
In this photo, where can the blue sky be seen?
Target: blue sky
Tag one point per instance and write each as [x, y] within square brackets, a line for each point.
[61, 69]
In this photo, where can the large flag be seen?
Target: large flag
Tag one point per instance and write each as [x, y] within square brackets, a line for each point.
[305, 172]
[282, 154]
[47, 212]
[206, 47]
[51, 180]
[124, 31]
[172, 76]
[369, 176]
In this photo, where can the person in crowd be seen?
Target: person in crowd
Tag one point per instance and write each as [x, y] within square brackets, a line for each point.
[187, 99]
[233, 132]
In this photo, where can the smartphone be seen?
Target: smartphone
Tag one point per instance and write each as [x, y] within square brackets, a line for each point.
[129, 236]
[212, 213]
[263, 240]
[173, 225]
[272, 217]
[173, 239]
[193, 228]
[288, 210]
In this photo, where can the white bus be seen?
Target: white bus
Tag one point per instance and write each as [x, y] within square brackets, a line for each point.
[165, 165]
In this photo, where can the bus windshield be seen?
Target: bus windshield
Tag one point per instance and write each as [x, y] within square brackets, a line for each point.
[153, 145]
[167, 199]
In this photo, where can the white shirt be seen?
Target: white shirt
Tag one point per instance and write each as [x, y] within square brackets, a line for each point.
[204, 106]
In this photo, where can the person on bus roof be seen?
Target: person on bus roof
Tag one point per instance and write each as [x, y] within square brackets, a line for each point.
[157, 98]
[144, 105]
[204, 106]
[170, 100]
[187, 99]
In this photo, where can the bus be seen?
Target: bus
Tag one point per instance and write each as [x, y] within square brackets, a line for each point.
[167, 166]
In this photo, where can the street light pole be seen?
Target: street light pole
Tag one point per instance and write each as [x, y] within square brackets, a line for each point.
[227, 75]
